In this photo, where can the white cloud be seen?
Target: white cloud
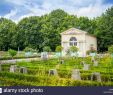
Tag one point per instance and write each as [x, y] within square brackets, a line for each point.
[89, 8]
[93, 10]
[11, 14]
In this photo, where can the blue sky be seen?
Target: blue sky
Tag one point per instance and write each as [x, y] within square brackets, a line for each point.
[18, 9]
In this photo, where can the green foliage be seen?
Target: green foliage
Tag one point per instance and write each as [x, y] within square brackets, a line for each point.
[27, 49]
[38, 32]
[59, 48]
[47, 49]
[38, 74]
[12, 52]
[28, 31]
[104, 30]
[73, 49]
[7, 30]
[92, 50]
[110, 49]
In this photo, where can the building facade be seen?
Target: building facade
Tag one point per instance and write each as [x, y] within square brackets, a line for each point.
[78, 38]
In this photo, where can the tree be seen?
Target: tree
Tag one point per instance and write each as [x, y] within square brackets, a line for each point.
[84, 23]
[12, 52]
[46, 49]
[7, 30]
[55, 23]
[104, 30]
[38, 32]
[29, 33]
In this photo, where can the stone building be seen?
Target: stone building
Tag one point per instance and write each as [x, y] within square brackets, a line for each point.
[78, 38]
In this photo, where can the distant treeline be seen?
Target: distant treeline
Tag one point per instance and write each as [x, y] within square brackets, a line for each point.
[37, 32]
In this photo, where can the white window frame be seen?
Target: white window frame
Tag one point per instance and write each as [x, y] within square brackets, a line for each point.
[73, 41]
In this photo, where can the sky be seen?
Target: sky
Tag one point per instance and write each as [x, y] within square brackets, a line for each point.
[18, 9]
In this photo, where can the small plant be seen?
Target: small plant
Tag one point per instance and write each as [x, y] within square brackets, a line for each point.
[47, 49]
[110, 49]
[73, 49]
[27, 49]
[92, 50]
[59, 49]
[12, 52]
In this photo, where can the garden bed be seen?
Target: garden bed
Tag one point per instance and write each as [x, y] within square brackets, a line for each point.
[38, 73]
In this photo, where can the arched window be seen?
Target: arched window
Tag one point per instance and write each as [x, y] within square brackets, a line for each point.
[73, 41]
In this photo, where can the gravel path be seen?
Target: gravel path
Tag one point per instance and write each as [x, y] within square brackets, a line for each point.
[19, 60]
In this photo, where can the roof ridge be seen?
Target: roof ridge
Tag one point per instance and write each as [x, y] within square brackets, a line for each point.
[73, 30]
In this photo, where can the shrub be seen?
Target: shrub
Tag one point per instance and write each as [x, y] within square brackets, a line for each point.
[37, 74]
[59, 48]
[27, 49]
[12, 52]
[46, 49]
[73, 49]
[92, 50]
[110, 49]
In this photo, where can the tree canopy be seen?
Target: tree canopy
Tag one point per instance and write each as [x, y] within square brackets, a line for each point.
[38, 32]
[104, 30]
[7, 31]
